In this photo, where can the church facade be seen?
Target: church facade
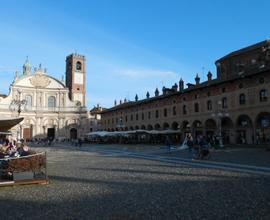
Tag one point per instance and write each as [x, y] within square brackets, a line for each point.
[51, 108]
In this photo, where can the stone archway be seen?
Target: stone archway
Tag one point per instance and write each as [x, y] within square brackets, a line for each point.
[157, 127]
[166, 126]
[185, 127]
[244, 130]
[197, 128]
[177, 136]
[149, 127]
[227, 130]
[73, 133]
[143, 127]
[262, 127]
[210, 128]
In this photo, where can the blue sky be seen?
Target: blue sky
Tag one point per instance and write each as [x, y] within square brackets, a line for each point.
[131, 46]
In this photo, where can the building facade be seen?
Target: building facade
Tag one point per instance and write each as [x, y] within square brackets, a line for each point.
[95, 118]
[234, 105]
[51, 108]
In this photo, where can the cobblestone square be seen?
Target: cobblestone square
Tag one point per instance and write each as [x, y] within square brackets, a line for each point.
[90, 184]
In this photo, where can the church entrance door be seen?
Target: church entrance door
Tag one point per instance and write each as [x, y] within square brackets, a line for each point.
[26, 133]
[73, 133]
[51, 133]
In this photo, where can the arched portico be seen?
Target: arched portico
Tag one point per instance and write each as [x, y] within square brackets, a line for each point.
[166, 126]
[185, 127]
[157, 127]
[175, 126]
[210, 128]
[197, 128]
[149, 127]
[227, 130]
[262, 127]
[244, 130]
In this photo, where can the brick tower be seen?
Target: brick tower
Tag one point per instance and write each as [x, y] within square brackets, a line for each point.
[75, 78]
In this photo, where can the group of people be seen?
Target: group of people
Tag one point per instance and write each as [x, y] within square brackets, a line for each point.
[11, 148]
[198, 148]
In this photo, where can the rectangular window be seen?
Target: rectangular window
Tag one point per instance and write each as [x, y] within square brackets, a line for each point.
[184, 110]
[209, 105]
[165, 112]
[157, 114]
[224, 103]
[174, 110]
[196, 107]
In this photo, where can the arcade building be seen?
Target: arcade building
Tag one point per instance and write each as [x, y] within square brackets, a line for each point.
[234, 105]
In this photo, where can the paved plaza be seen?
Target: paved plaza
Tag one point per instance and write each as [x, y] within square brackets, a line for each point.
[127, 182]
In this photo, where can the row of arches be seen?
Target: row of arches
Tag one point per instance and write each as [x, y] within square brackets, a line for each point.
[241, 130]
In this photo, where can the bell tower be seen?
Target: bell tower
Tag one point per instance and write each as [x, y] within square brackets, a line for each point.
[75, 77]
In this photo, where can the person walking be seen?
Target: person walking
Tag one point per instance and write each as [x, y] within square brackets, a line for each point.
[168, 143]
[79, 142]
[190, 145]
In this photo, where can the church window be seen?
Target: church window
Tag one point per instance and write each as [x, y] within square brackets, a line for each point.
[51, 102]
[28, 99]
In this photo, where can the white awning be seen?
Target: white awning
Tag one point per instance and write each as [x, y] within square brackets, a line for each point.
[124, 133]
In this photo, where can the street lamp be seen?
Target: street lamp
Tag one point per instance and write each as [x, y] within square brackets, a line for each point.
[17, 105]
[220, 115]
